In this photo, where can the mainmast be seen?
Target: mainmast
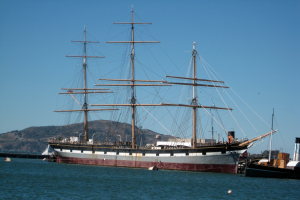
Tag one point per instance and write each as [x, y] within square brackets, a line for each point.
[132, 55]
[133, 99]
[133, 84]
[133, 104]
[86, 138]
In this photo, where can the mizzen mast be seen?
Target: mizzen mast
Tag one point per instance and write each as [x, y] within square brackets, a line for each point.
[84, 90]
[194, 101]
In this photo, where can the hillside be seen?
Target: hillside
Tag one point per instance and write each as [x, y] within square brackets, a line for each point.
[34, 139]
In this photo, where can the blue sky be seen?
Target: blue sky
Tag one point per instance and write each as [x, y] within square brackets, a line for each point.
[253, 45]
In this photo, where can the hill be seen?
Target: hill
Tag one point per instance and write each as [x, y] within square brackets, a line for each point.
[34, 139]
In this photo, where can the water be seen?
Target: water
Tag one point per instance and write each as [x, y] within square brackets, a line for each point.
[36, 179]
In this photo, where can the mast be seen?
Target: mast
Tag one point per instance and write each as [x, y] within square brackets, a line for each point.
[133, 99]
[133, 103]
[86, 138]
[132, 55]
[271, 137]
[194, 101]
[212, 128]
[84, 90]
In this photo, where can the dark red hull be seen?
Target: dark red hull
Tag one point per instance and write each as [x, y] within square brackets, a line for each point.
[142, 164]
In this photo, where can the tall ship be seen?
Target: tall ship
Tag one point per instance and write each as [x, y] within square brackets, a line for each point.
[194, 153]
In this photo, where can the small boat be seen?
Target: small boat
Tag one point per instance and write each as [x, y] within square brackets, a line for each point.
[277, 168]
[290, 170]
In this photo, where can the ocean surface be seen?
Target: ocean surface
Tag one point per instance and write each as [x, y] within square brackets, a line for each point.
[36, 179]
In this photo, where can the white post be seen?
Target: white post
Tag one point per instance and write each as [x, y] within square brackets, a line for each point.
[271, 137]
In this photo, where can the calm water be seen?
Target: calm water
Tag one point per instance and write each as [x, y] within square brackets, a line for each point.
[35, 179]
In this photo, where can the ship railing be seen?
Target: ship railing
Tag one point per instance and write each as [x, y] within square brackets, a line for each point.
[113, 144]
[210, 143]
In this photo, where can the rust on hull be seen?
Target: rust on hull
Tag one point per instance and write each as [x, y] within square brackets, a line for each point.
[224, 168]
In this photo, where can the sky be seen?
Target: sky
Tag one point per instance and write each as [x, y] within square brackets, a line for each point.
[253, 45]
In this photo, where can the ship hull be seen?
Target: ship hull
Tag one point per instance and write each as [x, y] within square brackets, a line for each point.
[254, 170]
[225, 168]
[209, 159]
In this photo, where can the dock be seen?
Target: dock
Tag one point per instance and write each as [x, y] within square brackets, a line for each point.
[23, 155]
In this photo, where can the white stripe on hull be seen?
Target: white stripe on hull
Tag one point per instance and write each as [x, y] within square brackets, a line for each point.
[192, 158]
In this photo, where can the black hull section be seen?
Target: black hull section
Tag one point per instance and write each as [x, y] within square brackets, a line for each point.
[222, 149]
[254, 170]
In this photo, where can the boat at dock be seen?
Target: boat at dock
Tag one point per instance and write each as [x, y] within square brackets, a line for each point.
[282, 167]
[179, 153]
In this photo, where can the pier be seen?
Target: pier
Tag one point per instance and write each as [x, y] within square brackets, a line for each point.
[23, 155]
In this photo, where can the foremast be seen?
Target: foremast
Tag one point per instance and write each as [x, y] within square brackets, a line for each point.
[85, 90]
[194, 104]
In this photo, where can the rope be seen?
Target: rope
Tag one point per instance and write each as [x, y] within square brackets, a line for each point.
[238, 96]
[222, 98]
[158, 121]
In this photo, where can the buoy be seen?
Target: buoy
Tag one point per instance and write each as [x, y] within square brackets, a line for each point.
[153, 168]
[7, 160]
[44, 159]
[229, 191]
